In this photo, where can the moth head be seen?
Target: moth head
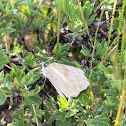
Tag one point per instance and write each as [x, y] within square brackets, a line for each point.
[44, 64]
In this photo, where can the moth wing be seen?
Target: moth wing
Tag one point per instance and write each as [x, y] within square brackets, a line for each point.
[49, 73]
[67, 80]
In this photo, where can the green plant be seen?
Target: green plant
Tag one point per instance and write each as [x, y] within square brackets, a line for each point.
[17, 81]
[103, 103]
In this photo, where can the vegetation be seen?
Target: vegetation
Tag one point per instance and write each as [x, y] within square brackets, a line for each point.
[93, 32]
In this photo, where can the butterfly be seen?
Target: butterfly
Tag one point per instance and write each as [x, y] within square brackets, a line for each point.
[67, 80]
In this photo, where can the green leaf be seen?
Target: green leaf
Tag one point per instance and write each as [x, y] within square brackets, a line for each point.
[42, 58]
[77, 29]
[69, 102]
[116, 84]
[35, 91]
[69, 114]
[1, 6]
[70, 26]
[85, 52]
[35, 99]
[40, 113]
[90, 9]
[4, 59]
[123, 123]
[74, 104]
[29, 78]
[7, 30]
[65, 47]
[64, 5]
[83, 99]
[103, 68]
[2, 64]
[29, 60]
[87, 4]
[98, 123]
[109, 1]
[85, 11]
[80, 124]
[36, 77]
[2, 97]
[110, 92]
[105, 48]
[53, 100]
[39, 50]
[14, 68]
[100, 118]
[48, 104]
[63, 54]
[57, 49]
[2, 74]
[90, 20]
[18, 119]
[66, 62]
[16, 82]
[111, 101]
[99, 47]
[56, 116]
[62, 101]
[78, 65]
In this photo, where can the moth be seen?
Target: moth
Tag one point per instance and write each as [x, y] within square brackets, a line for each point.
[67, 80]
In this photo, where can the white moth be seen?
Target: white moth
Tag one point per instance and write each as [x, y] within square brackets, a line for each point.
[67, 80]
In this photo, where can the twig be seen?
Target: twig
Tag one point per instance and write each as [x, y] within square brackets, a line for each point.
[29, 22]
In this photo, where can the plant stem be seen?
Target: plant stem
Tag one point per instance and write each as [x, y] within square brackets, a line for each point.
[120, 107]
[58, 30]
[115, 2]
[83, 20]
[95, 44]
[122, 45]
[120, 20]
[22, 104]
